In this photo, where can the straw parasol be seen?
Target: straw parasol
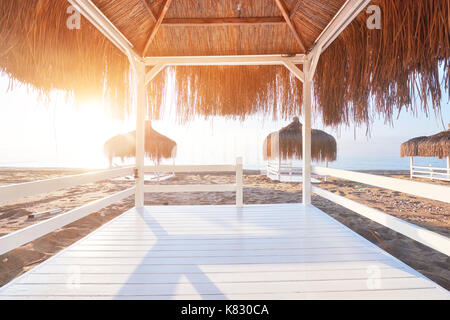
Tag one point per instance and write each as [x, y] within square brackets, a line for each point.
[437, 145]
[323, 145]
[157, 146]
[361, 66]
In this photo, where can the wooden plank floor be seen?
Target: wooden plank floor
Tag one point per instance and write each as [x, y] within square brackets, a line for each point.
[283, 251]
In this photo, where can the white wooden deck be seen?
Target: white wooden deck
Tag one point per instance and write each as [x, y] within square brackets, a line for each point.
[221, 252]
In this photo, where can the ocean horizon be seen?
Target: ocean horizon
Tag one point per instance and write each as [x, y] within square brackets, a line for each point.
[347, 163]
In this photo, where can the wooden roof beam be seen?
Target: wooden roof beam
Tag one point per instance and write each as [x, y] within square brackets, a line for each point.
[284, 11]
[94, 15]
[213, 22]
[348, 12]
[237, 60]
[157, 25]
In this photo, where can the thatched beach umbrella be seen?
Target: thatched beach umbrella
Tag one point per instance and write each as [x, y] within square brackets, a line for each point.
[410, 148]
[323, 145]
[41, 47]
[437, 145]
[157, 146]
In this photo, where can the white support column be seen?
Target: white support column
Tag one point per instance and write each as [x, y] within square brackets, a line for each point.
[306, 134]
[239, 183]
[411, 164]
[141, 103]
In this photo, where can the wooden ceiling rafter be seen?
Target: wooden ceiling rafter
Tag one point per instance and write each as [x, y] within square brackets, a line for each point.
[287, 17]
[158, 23]
[194, 22]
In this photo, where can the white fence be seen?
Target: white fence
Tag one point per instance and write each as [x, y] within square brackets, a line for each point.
[430, 173]
[285, 171]
[237, 168]
[420, 189]
[21, 190]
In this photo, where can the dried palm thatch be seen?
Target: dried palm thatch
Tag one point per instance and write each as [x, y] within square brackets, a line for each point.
[410, 148]
[323, 145]
[437, 145]
[157, 146]
[388, 67]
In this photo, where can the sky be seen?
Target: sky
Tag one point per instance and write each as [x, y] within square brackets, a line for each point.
[62, 135]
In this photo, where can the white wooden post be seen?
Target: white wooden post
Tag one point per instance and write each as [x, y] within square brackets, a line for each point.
[448, 161]
[239, 183]
[306, 134]
[139, 70]
[411, 165]
[326, 166]
[279, 168]
[448, 166]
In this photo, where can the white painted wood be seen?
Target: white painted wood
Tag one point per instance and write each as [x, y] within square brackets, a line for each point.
[340, 21]
[218, 289]
[191, 168]
[239, 183]
[236, 60]
[344, 267]
[424, 236]
[153, 72]
[21, 190]
[314, 57]
[419, 189]
[430, 172]
[283, 172]
[218, 277]
[431, 168]
[408, 294]
[20, 237]
[238, 187]
[411, 165]
[161, 263]
[215, 253]
[300, 75]
[141, 106]
[191, 188]
[306, 135]
[104, 25]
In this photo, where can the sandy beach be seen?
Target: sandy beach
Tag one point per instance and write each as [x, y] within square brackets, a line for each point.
[258, 189]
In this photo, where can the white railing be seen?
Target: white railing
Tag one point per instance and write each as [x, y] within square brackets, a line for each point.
[430, 173]
[237, 168]
[35, 231]
[21, 190]
[420, 189]
[276, 169]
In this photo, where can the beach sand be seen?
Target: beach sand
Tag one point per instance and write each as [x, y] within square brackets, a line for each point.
[258, 189]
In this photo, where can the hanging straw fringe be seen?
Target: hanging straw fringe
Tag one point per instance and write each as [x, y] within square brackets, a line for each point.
[362, 74]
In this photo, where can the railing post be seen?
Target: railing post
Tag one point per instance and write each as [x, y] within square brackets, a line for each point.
[306, 134]
[448, 167]
[139, 83]
[239, 183]
[411, 167]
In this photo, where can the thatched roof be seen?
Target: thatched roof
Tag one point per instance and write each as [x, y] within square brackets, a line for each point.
[323, 145]
[157, 146]
[37, 49]
[437, 145]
